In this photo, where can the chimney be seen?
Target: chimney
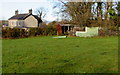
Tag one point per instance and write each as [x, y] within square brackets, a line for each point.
[16, 12]
[30, 11]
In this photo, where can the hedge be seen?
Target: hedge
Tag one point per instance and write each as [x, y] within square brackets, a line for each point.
[21, 33]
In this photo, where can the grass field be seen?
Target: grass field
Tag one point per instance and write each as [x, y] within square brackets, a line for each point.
[52, 55]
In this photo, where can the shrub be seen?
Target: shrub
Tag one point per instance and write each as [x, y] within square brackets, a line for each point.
[6, 33]
[32, 32]
[21, 33]
[108, 32]
[35, 31]
[39, 31]
[49, 30]
[13, 33]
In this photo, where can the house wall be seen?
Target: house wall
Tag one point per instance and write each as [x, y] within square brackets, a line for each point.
[89, 32]
[20, 23]
[15, 23]
[12, 23]
[31, 22]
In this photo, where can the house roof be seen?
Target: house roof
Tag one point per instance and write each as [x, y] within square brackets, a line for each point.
[19, 16]
[24, 16]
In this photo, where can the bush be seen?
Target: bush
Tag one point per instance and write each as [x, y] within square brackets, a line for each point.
[13, 33]
[7, 33]
[108, 32]
[35, 31]
[32, 32]
[21, 33]
[49, 30]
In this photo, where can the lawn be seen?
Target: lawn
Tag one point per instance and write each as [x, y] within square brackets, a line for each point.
[53, 55]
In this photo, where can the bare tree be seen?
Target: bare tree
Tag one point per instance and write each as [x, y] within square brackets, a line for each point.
[87, 13]
[79, 12]
[41, 12]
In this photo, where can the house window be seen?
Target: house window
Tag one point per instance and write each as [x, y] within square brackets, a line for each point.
[17, 23]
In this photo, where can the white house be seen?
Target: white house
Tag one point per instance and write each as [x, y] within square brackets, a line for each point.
[24, 20]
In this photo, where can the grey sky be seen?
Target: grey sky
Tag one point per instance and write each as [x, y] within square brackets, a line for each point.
[7, 8]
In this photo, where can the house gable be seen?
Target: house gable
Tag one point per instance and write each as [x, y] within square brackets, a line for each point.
[31, 21]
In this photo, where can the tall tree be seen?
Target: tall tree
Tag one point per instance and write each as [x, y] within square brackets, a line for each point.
[106, 13]
[99, 10]
[117, 20]
[80, 12]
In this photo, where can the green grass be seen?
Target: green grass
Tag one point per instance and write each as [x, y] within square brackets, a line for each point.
[53, 55]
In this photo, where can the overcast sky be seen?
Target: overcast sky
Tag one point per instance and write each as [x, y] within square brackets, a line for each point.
[7, 8]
